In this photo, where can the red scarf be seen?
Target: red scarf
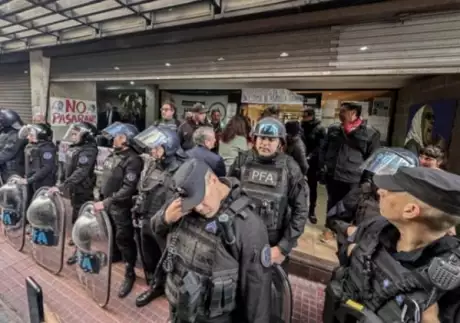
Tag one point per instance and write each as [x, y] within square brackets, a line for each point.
[349, 127]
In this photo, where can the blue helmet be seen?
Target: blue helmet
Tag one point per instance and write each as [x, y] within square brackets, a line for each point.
[118, 128]
[386, 161]
[155, 136]
[270, 127]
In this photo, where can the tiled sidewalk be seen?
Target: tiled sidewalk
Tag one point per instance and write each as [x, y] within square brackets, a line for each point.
[69, 301]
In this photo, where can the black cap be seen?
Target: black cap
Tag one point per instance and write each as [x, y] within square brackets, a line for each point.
[199, 108]
[190, 182]
[434, 187]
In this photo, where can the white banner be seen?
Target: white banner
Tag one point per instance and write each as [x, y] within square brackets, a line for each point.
[65, 111]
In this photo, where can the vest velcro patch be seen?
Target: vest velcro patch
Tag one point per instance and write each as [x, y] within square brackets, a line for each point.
[262, 177]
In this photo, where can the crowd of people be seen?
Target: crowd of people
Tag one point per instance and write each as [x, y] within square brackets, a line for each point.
[220, 208]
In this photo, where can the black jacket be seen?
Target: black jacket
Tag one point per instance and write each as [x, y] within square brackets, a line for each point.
[313, 135]
[214, 161]
[342, 155]
[185, 133]
[298, 199]
[296, 149]
[249, 250]
[12, 154]
[41, 164]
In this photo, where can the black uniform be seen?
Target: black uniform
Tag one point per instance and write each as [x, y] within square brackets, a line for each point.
[386, 281]
[79, 178]
[280, 191]
[341, 156]
[314, 134]
[41, 164]
[12, 154]
[119, 179]
[211, 277]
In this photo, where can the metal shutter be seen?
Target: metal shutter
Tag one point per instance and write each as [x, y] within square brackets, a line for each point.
[15, 89]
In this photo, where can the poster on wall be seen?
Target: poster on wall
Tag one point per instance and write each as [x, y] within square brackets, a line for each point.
[430, 123]
[65, 111]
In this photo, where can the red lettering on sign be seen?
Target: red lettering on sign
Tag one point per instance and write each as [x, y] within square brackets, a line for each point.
[68, 118]
[81, 107]
[70, 105]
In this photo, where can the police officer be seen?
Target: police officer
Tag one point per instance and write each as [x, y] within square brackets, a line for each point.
[40, 156]
[362, 202]
[78, 179]
[276, 183]
[403, 267]
[122, 170]
[217, 260]
[165, 157]
[12, 152]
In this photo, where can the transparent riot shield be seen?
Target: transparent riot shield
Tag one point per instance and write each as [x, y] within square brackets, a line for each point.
[281, 304]
[92, 235]
[47, 220]
[13, 200]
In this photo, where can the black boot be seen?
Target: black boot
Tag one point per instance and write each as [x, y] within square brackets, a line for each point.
[128, 282]
[312, 217]
[72, 260]
[149, 295]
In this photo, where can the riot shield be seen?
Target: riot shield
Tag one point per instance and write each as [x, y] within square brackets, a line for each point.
[281, 305]
[92, 235]
[46, 216]
[13, 200]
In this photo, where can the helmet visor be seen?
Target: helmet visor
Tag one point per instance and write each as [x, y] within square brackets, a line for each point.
[113, 130]
[267, 129]
[151, 137]
[386, 162]
[75, 133]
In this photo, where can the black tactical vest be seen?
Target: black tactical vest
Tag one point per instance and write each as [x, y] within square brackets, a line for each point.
[71, 165]
[374, 278]
[202, 270]
[267, 186]
[112, 174]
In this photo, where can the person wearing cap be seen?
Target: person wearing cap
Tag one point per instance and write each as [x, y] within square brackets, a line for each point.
[188, 127]
[275, 182]
[120, 175]
[163, 158]
[431, 156]
[362, 202]
[217, 261]
[403, 267]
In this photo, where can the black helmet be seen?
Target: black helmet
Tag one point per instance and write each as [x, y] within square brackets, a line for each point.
[159, 136]
[10, 119]
[270, 127]
[80, 132]
[41, 131]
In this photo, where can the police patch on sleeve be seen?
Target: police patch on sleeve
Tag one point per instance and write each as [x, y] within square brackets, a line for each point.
[47, 155]
[131, 177]
[83, 160]
[266, 256]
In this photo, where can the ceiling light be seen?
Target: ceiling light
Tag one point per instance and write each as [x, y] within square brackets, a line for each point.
[132, 82]
[167, 64]
[284, 54]
[220, 59]
[330, 93]
[26, 72]
[364, 48]
[116, 68]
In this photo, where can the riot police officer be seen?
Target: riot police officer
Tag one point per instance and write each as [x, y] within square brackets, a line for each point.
[274, 180]
[78, 179]
[403, 267]
[40, 156]
[12, 152]
[122, 170]
[165, 157]
[217, 261]
[362, 202]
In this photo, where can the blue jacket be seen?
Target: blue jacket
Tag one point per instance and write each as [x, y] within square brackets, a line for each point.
[214, 161]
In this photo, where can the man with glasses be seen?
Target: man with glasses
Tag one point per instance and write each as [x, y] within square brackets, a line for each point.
[168, 116]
